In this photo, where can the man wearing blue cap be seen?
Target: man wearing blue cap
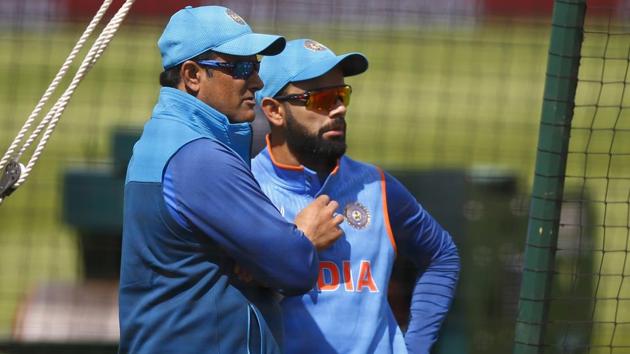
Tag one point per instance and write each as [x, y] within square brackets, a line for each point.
[305, 99]
[193, 212]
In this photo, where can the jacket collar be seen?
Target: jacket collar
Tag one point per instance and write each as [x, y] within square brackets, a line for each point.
[180, 106]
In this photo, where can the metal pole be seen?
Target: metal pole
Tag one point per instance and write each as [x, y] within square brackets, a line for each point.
[544, 217]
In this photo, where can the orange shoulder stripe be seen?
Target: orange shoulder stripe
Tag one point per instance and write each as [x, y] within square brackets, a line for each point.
[388, 226]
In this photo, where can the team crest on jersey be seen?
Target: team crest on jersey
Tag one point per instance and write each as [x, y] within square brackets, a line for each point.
[313, 45]
[357, 215]
[234, 16]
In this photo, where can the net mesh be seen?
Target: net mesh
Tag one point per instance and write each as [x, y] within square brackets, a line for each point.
[590, 299]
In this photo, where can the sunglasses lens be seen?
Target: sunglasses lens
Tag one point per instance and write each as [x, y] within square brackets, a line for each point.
[243, 69]
[326, 100]
[344, 94]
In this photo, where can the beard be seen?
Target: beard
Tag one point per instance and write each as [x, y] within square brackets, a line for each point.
[313, 146]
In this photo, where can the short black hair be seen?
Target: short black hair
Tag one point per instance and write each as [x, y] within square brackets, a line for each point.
[170, 77]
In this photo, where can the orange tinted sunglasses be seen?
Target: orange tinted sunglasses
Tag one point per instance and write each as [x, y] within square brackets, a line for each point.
[321, 99]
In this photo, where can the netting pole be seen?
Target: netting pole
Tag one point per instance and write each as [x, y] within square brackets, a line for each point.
[553, 141]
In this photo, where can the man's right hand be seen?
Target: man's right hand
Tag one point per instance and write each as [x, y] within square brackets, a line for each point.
[319, 222]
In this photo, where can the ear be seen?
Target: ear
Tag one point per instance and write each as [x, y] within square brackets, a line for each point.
[191, 74]
[274, 111]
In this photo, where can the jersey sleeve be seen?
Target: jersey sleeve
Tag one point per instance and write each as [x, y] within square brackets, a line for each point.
[213, 192]
[423, 241]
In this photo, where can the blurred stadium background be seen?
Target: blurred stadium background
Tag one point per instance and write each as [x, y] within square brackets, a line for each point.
[450, 104]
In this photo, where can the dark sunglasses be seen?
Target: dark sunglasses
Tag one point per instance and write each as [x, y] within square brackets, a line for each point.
[238, 69]
[321, 99]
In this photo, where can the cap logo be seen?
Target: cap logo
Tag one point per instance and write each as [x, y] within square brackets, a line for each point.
[234, 16]
[313, 45]
[357, 215]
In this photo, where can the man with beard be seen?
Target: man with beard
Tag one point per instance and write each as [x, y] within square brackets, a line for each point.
[305, 99]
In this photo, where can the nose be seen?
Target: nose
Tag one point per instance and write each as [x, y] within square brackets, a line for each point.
[254, 82]
[339, 109]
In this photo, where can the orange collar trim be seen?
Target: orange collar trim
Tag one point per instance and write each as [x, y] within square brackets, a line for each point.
[278, 164]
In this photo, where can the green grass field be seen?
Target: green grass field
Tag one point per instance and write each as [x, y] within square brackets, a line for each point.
[433, 97]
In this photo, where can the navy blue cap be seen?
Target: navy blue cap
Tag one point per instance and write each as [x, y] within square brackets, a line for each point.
[192, 31]
[304, 59]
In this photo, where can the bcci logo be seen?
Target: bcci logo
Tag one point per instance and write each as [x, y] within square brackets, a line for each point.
[357, 215]
[234, 16]
[313, 45]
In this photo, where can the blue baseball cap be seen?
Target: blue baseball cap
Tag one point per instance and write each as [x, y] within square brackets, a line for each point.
[195, 30]
[304, 59]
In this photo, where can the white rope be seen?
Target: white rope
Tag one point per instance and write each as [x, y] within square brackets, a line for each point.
[52, 118]
[53, 85]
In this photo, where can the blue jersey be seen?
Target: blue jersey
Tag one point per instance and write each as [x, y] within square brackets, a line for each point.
[192, 212]
[347, 311]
